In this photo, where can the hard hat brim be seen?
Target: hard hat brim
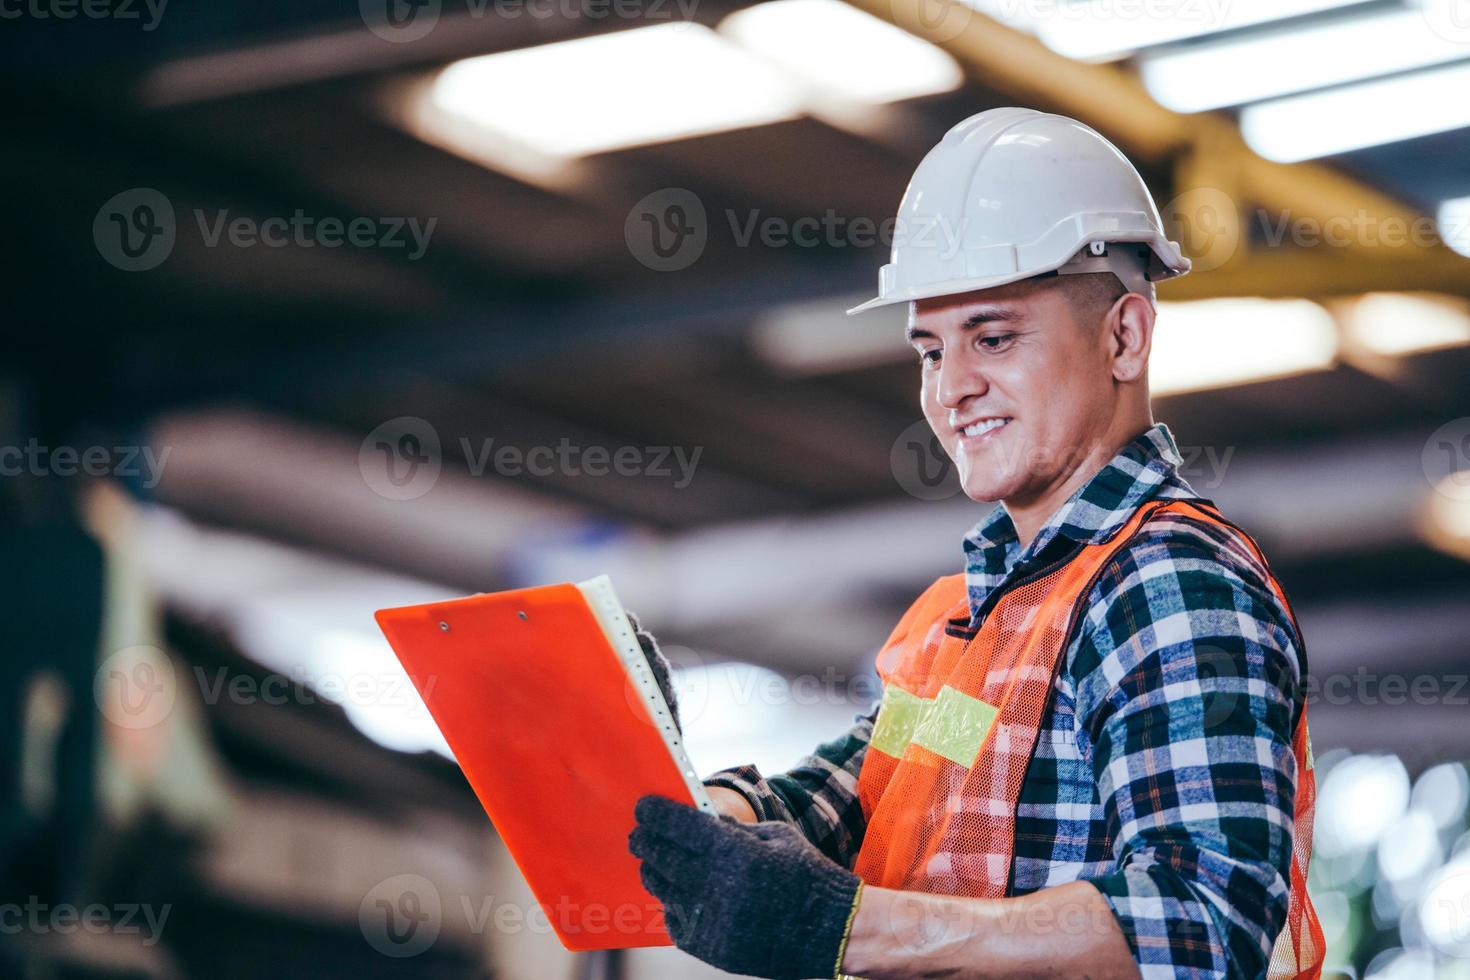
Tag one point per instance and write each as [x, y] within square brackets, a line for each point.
[1172, 264]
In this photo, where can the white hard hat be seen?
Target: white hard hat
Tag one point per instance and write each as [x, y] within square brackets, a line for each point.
[1013, 193]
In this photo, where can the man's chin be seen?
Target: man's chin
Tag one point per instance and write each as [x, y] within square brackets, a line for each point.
[986, 491]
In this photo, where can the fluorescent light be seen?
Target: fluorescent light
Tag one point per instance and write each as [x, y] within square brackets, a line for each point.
[1454, 224]
[1443, 792]
[1106, 28]
[1362, 797]
[1394, 324]
[1447, 525]
[615, 90]
[1218, 342]
[358, 671]
[1410, 847]
[835, 47]
[1371, 113]
[1208, 76]
[1442, 910]
[814, 338]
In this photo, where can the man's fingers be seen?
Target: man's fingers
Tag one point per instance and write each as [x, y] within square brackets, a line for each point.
[671, 858]
[657, 885]
[681, 916]
[679, 822]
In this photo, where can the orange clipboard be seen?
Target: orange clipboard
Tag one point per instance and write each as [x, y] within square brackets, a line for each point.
[549, 706]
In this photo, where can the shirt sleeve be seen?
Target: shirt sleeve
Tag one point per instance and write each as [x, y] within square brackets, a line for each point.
[819, 795]
[1186, 671]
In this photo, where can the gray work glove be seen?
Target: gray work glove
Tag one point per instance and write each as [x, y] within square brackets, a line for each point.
[659, 664]
[756, 899]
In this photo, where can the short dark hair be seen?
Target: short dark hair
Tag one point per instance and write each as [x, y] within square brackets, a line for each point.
[1092, 293]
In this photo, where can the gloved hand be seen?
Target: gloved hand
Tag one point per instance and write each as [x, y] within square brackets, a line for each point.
[659, 664]
[756, 899]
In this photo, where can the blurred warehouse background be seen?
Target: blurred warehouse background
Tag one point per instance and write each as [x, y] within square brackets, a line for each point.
[315, 308]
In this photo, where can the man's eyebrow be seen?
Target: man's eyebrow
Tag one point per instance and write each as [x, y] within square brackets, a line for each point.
[1003, 314]
[992, 314]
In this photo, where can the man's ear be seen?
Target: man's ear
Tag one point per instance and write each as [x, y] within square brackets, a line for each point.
[1130, 329]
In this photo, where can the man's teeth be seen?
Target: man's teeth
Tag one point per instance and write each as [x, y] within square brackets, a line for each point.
[980, 428]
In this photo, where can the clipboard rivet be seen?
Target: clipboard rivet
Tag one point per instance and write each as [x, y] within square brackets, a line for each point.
[443, 626]
[522, 614]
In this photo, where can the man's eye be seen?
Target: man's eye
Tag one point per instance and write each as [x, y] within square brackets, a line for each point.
[930, 356]
[996, 341]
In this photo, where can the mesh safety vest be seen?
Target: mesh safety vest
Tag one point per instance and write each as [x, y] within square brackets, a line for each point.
[960, 719]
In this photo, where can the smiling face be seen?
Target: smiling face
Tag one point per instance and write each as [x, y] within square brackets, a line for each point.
[1033, 386]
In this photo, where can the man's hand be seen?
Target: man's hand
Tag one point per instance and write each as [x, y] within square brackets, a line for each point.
[727, 801]
[756, 899]
[659, 664]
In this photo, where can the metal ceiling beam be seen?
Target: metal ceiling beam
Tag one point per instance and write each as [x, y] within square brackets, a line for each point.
[1206, 152]
[1324, 271]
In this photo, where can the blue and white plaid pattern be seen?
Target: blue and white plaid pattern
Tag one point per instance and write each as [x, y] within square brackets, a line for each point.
[1164, 773]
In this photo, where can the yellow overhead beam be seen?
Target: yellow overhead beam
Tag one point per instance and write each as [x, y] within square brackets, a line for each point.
[1323, 271]
[1208, 156]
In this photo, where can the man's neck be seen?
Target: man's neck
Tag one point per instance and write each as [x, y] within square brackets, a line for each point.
[1031, 515]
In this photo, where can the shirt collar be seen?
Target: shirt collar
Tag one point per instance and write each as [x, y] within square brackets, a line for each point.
[1146, 468]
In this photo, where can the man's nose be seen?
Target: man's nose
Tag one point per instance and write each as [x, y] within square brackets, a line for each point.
[959, 380]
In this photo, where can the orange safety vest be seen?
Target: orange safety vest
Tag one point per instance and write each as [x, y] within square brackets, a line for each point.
[960, 719]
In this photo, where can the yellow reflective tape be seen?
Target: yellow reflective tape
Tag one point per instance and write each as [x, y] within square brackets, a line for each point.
[956, 726]
[898, 716]
[1311, 763]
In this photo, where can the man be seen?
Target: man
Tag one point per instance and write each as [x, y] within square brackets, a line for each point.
[1090, 759]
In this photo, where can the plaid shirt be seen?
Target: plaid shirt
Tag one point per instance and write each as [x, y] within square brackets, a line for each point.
[1164, 772]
